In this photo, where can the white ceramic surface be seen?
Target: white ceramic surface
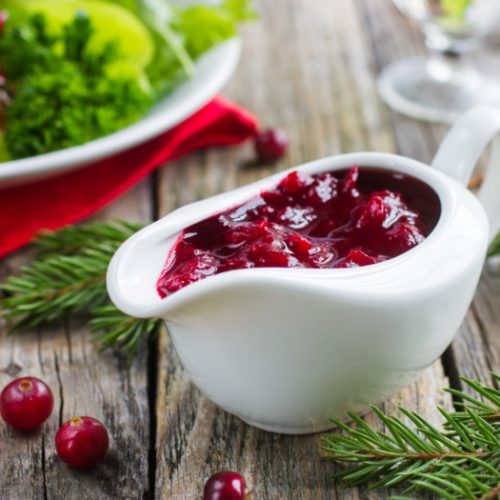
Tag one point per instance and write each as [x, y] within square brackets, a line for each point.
[285, 349]
[213, 70]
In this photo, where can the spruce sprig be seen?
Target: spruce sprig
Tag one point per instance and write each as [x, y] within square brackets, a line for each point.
[107, 236]
[460, 461]
[494, 246]
[68, 276]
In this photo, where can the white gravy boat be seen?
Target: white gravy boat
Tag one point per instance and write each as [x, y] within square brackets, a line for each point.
[285, 349]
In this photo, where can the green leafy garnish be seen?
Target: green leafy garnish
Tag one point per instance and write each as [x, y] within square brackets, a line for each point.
[4, 153]
[77, 70]
[205, 26]
[62, 94]
[183, 35]
[455, 9]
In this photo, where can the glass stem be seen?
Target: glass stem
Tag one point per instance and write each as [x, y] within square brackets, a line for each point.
[450, 60]
[446, 68]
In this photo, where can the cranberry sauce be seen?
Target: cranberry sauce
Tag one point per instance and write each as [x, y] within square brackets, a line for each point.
[345, 218]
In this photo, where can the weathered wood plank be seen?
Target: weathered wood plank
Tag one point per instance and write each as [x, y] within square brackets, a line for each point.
[84, 382]
[195, 439]
[475, 353]
[22, 455]
[307, 67]
[487, 309]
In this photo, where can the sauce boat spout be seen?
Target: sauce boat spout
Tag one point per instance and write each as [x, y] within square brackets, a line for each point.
[134, 269]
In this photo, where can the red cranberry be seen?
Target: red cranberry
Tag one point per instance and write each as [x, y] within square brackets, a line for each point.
[271, 145]
[295, 182]
[225, 485]
[299, 244]
[82, 442]
[350, 181]
[26, 403]
[322, 191]
[357, 258]
[404, 236]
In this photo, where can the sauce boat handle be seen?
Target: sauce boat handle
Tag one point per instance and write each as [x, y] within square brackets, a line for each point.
[461, 149]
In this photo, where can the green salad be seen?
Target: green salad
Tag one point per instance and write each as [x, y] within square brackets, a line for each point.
[75, 70]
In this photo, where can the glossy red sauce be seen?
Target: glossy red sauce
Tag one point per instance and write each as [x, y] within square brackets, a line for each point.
[347, 218]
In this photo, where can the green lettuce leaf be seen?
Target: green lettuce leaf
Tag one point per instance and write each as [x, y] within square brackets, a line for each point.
[74, 75]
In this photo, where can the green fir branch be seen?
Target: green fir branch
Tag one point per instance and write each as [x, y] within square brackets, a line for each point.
[114, 329]
[104, 236]
[460, 461]
[68, 276]
[494, 248]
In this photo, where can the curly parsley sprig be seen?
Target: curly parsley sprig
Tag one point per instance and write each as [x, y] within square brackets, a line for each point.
[62, 94]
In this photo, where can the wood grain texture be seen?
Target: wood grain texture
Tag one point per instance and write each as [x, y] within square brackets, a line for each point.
[84, 382]
[475, 353]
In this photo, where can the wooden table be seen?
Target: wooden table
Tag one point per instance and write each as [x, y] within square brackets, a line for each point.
[308, 66]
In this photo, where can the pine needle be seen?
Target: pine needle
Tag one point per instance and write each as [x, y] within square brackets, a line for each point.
[68, 276]
[460, 461]
[494, 248]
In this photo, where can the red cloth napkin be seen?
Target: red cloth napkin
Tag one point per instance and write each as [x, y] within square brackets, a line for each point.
[68, 198]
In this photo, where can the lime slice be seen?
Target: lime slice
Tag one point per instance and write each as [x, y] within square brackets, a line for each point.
[112, 23]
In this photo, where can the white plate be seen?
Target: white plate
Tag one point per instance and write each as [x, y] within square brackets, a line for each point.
[213, 70]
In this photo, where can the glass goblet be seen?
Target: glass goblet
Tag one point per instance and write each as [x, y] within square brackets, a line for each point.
[446, 83]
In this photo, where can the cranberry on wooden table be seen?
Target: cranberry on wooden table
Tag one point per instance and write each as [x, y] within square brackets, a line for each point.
[271, 145]
[82, 442]
[26, 402]
[225, 485]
